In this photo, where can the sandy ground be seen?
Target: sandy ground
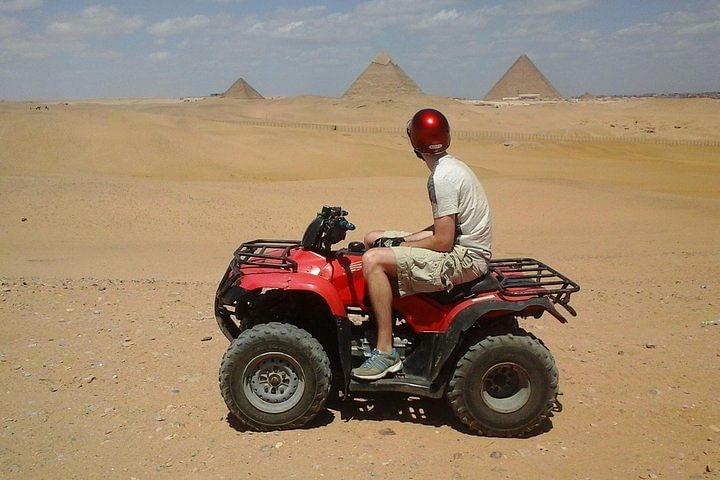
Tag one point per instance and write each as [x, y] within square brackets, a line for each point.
[117, 219]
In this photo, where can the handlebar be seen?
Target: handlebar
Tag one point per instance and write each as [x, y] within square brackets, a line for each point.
[328, 228]
[346, 225]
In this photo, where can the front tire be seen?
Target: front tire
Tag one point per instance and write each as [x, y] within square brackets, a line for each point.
[504, 385]
[275, 376]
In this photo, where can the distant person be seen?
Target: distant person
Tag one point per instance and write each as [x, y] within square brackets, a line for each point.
[455, 249]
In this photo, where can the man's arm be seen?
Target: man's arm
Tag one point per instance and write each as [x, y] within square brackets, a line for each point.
[424, 233]
[442, 237]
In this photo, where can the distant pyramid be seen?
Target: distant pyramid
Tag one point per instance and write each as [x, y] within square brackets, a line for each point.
[241, 89]
[523, 79]
[383, 78]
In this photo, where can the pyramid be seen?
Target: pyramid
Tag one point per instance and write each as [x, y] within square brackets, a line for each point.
[383, 78]
[241, 89]
[523, 79]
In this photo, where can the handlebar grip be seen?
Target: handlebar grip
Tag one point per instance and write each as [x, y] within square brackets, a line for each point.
[346, 225]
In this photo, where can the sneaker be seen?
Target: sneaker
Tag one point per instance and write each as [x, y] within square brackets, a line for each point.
[378, 365]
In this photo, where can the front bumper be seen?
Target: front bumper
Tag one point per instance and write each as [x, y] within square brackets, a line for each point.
[231, 303]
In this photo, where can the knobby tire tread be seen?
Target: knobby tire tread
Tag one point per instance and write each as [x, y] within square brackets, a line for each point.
[287, 332]
[456, 387]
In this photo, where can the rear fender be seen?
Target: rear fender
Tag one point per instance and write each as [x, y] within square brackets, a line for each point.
[467, 314]
[477, 307]
[291, 281]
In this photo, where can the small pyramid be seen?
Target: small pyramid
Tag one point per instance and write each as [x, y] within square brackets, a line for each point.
[241, 89]
[523, 80]
[382, 79]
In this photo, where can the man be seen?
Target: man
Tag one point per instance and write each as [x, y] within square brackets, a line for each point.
[455, 249]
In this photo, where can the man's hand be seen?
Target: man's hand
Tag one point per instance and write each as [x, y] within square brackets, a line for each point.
[388, 242]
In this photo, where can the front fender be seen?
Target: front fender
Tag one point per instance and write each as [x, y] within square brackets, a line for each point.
[292, 281]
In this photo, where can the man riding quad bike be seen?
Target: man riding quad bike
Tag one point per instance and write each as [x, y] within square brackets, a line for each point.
[298, 318]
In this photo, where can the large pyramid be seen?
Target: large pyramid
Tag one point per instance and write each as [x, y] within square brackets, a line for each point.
[383, 78]
[241, 89]
[523, 79]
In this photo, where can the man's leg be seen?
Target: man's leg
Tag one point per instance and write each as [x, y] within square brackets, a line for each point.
[380, 270]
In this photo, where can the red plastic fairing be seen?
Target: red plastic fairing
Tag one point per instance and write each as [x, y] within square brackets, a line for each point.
[305, 282]
[482, 298]
[424, 315]
[348, 278]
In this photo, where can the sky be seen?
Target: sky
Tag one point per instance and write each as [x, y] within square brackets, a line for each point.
[72, 49]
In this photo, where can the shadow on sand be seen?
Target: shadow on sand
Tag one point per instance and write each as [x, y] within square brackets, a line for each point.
[408, 409]
[389, 406]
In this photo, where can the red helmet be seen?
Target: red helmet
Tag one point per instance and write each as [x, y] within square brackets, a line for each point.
[429, 132]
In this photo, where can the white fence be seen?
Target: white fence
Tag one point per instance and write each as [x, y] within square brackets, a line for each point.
[491, 135]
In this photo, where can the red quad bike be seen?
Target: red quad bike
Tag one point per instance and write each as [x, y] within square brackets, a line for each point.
[299, 320]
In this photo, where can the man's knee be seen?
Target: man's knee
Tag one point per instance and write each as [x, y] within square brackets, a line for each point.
[372, 236]
[370, 259]
[379, 258]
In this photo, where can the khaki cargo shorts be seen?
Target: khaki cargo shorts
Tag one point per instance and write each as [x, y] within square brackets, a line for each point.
[421, 270]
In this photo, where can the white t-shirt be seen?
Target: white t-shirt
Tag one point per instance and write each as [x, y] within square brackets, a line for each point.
[455, 190]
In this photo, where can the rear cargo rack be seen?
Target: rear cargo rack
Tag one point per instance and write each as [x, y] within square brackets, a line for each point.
[527, 276]
[255, 254]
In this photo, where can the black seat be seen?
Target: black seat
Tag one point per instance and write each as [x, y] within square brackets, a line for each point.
[486, 283]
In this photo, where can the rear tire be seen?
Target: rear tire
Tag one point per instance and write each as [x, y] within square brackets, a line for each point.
[504, 385]
[275, 376]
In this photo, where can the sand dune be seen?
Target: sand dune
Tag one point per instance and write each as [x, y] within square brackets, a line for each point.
[119, 216]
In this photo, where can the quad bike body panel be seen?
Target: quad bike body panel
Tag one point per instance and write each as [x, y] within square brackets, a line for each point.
[322, 291]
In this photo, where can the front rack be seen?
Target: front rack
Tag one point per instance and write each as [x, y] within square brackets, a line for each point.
[527, 276]
[255, 254]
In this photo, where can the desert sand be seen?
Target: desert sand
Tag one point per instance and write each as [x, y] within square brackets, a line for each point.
[118, 217]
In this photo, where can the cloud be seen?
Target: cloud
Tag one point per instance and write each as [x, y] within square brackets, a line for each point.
[96, 20]
[158, 56]
[452, 21]
[310, 25]
[696, 22]
[36, 46]
[290, 26]
[549, 7]
[19, 5]
[363, 23]
[65, 35]
[173, 26]
[378, 14]
[100, 54]
[443, 17]
[700, 28]
[9, 26]
[530, 28]
[640, 29]
[682, 22]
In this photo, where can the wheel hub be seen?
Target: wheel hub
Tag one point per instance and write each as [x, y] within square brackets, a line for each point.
[506, 387]
[273, 382]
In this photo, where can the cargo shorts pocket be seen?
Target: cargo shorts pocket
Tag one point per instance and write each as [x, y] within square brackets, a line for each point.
[457, 268]
[418, 270]
[449, 271]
